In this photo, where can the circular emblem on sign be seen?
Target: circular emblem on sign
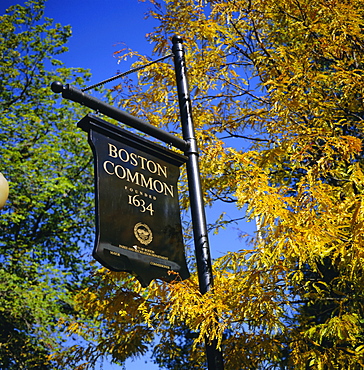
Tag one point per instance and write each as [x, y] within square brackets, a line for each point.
[143, 233]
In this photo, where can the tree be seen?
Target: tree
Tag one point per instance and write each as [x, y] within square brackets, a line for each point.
[48, 219]
[278, 105]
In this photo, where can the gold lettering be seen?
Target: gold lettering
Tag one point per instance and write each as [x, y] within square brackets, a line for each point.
[163, 170]
[115, 253]
[160, 190]
[154, 170]
[136, 160]
[133, 159]
[139, 179]
[147, 252]
[142, 161]
[117, 172]
[160, 265]
[112, 151]
[106, 170]
[130, 177]
[121, 151]
[168, 189]
[145, 184]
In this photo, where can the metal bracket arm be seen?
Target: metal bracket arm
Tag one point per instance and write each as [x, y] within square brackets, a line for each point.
[71, 93]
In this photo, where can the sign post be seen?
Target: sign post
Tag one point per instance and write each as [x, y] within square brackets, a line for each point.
[120, 162]
[202, 248]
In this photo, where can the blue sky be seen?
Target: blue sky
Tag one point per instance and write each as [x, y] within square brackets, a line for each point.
[99, 29]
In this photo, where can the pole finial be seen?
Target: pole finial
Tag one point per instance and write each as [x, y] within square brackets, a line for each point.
[57, 87]
[177, 39]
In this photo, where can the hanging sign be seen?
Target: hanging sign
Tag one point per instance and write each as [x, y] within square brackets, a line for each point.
[138, 225]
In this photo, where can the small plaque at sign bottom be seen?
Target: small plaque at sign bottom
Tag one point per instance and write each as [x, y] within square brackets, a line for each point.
[138, 225]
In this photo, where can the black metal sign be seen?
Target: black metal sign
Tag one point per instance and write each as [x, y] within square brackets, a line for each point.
[138, 225]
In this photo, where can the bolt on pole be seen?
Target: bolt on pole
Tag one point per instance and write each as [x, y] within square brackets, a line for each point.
[202, 249]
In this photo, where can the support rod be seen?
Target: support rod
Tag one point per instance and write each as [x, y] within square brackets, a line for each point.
[202, 249]
[71, 93]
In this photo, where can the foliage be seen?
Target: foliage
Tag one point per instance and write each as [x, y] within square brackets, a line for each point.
[277, 92]
[48, 218]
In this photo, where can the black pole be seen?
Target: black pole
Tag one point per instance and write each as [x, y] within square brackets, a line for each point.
[202, 249]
